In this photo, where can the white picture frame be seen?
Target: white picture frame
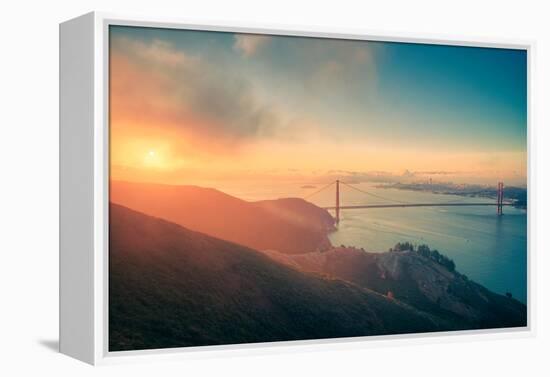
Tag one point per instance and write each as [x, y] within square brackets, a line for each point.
[84, 172]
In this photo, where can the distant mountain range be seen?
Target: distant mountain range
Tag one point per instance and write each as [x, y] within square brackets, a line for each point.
[518, 195]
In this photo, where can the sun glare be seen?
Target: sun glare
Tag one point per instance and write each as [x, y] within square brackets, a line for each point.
[153, 159]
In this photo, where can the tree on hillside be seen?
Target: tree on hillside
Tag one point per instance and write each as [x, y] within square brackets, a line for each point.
[426, 252]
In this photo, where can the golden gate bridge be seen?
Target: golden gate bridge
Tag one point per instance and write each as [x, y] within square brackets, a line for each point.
[393, 203]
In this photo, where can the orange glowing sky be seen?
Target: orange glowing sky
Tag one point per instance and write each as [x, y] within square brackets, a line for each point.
[192, 106]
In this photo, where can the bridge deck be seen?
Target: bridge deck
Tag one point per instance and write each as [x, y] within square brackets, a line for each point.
[418, 205]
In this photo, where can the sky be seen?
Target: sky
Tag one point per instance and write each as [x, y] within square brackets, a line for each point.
[192, 106]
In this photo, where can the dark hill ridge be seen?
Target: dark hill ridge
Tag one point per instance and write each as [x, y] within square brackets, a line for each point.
[287, 225]
[416, 280]
[172, 287]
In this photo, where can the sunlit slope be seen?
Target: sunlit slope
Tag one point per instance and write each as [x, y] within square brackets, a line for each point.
[172, 287]
[287, 225]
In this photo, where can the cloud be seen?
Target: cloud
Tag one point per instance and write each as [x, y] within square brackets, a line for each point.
[438, 172]
[153, 83]
[338, 64]
[250, 44]
[356, 177]
[379, 176]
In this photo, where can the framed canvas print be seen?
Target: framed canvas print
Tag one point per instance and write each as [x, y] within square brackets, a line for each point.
[229, 188]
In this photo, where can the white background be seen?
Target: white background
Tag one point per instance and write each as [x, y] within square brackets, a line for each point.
[29, 189]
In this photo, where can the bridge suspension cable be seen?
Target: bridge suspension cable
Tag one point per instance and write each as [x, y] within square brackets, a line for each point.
[459, 200]
[400, 203]
[318, 191]
[374, 195]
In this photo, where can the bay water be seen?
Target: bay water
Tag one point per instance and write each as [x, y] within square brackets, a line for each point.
[489, 249]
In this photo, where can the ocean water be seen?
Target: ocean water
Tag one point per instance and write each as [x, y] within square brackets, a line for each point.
[489, 249]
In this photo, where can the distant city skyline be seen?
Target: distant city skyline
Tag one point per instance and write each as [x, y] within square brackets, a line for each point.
[187, 106]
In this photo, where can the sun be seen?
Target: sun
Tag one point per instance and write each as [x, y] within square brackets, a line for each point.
[153, 159]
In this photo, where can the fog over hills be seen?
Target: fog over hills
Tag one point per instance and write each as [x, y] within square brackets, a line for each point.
[287, 225]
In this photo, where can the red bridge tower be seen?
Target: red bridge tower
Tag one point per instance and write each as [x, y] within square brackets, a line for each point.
[500, 198]
[337, 201]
